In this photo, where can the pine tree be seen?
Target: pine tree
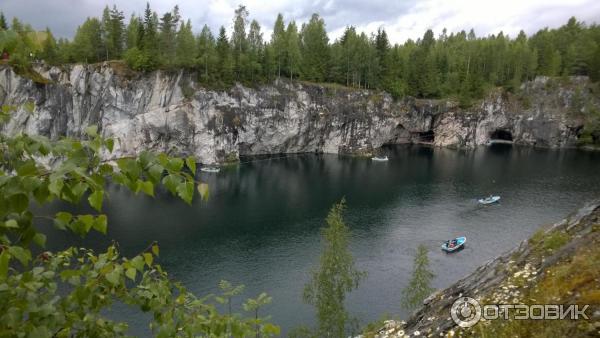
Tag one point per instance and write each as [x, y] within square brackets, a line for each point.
[395, 80]
[419, 286]
[315, 49]
[225, 66]
[382, 47]
[207, 57]
[349, 44]
[149, 41]
[458, 65]
[335, 277]
[595, 64]
[186, 46]
[335, 70]
[364, 59]
[279, 43]
[113, 32]
[105, 27]
[269, 63]
[167, 36]
[423, 74]
[49, 49]
[116, 32]
[16, 25]
[239, 43]
[3, 23]
[64, 55]
[134, 32]
[293, 56]
[255, 50]
[143, 47]
[87, 43]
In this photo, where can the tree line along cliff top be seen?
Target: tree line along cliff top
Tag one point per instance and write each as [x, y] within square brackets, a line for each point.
[458, 64]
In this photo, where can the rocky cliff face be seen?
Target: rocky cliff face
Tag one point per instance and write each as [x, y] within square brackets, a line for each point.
[169, 112]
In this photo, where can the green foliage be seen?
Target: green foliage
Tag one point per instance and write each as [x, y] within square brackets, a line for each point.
[207, 55]
[185, 51]
[357, 59]
[419, 286]
[293, 57]
[87, 43]
[370, 330]
[3, 23]
[113, 28]
[134, 32]
[537, 237]
[186, 88]
[225, 65]
[279, 43]
[138, 59]
[68, 293]
[253, 306]
[335, 277]
[555, 240]
[50, 49]
[165, 42]
[228, 292]
[590, 134]
[254, 67]
[315, 49]
[457, 65]
[239, 42]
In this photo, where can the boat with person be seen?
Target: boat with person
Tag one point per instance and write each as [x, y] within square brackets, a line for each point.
[489, 200]
[210, 169]
[379, 158]
[454, 245]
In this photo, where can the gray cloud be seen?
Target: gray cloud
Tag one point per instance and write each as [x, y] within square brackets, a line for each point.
[402, 19]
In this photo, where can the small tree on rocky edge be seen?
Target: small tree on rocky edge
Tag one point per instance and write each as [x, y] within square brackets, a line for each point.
[335, 277]
[419, 286]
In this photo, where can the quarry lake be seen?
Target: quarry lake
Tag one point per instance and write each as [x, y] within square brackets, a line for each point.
[261, 225]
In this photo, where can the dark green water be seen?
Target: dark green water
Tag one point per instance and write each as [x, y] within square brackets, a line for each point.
[261, 225]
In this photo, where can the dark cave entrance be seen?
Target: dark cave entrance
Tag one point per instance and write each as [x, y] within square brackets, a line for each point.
[399, 136]
[426, 136]
[501, 135]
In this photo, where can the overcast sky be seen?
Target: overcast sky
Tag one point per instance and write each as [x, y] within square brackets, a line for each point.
[402, 19]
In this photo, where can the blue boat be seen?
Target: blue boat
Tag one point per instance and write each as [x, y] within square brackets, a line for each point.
[454, 244]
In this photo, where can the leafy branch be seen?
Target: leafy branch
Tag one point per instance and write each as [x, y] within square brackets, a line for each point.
[36, 169]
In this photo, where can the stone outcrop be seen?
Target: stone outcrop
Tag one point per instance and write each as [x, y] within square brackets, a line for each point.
[519, 275]
[170, 112]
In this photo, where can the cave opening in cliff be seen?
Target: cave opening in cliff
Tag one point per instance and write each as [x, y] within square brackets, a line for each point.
[501, 135]
[426, 136]
[400, 135]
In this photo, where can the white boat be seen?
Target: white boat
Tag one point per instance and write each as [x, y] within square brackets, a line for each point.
[210, 169]
[379, 159]
[489, 200]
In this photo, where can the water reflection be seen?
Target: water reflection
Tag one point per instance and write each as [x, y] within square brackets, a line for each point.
[261, 224]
